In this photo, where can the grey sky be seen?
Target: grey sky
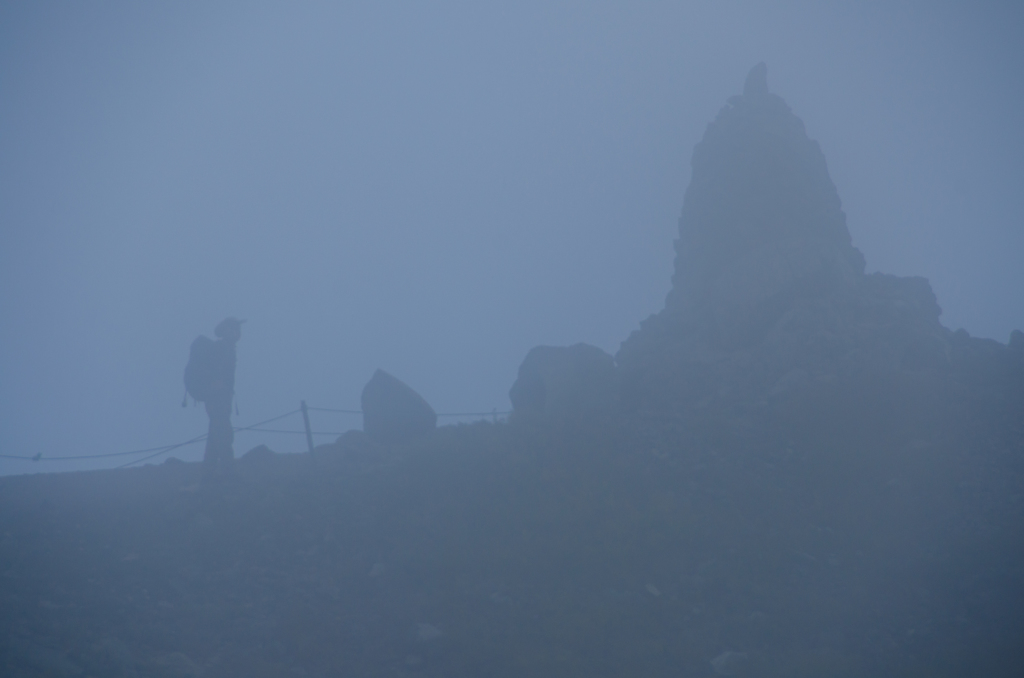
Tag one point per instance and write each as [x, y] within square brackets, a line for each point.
[434, 188]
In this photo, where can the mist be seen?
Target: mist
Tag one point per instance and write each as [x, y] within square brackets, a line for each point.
[578, 340]
[434, 189]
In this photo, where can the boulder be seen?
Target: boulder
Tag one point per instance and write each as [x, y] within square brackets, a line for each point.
[393, 412]
[564, 380]
[260, 453]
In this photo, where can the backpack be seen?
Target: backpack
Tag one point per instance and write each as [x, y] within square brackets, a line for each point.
[201, 370]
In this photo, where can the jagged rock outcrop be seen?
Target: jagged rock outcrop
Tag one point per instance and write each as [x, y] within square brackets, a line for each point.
[769, 296]
[393, 412]
[761, 221]
[559, 381]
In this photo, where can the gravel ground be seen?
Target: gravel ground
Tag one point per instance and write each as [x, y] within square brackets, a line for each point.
[606, 549]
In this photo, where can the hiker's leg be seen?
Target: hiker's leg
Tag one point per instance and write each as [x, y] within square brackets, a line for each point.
[209, 454]
[219, 451]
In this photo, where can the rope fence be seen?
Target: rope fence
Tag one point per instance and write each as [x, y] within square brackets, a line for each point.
[152, 452]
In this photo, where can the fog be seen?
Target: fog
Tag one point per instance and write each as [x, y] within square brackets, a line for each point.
[433, 189]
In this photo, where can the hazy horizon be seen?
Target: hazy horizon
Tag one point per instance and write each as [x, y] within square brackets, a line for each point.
[434, 190]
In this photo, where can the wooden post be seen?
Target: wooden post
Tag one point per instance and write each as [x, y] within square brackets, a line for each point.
[309, 431]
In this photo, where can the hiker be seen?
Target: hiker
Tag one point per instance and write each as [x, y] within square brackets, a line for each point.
[210, 378]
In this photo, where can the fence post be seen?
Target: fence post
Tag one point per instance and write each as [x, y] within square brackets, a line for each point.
[309, 431]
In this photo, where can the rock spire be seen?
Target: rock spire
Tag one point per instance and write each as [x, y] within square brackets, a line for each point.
[767, 282]
[761, 221]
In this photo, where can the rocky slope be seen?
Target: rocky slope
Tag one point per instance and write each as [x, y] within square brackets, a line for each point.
[591, 548]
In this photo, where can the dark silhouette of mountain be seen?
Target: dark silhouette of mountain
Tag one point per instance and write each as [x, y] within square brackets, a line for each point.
[802, 473]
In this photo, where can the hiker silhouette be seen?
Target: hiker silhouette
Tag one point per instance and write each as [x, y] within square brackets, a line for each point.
[210, 379]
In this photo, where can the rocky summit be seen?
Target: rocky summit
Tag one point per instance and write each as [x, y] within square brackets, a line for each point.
[792, 470]
[770, 300]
